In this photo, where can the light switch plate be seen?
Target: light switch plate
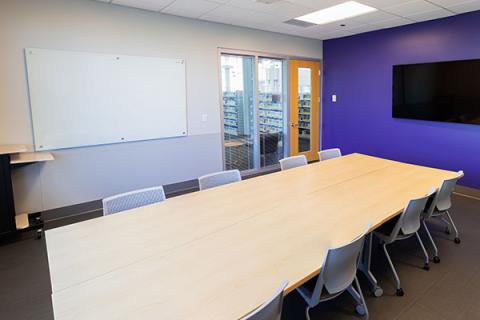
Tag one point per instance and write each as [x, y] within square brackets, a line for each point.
[204, 117]
[334, 98]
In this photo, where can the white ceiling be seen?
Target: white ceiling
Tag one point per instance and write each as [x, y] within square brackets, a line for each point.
[271, 17]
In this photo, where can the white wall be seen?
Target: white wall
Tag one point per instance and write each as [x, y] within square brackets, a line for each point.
[85, 174]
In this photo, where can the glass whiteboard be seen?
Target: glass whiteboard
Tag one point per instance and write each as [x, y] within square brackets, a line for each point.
[85, 99]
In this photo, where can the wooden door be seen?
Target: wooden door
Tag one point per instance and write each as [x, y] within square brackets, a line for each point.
[304, 108]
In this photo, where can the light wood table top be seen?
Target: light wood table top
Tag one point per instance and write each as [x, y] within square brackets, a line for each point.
[219, 253]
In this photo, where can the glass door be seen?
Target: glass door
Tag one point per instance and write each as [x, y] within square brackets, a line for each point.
[271, 110]
[304, 108]
[254, 110]
[239, 100]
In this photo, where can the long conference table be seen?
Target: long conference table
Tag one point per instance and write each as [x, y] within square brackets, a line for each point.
[221, 252]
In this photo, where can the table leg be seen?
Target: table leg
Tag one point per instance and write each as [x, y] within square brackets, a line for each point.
[7, 206]
[365, 266]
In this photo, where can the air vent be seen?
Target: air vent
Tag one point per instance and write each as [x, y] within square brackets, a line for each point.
[299, 23]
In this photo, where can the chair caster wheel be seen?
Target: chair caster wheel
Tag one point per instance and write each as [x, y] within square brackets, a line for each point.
[426, 266]
[457, 240]
[360, 309]
[436, 259]
[400, 292]
[377, 292]
[447, 230]
[39, 234]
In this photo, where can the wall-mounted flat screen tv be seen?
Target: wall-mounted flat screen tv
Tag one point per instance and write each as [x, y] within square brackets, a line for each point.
[441, 91]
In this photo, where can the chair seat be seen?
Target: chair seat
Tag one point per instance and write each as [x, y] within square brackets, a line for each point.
[386, 237]
[385, 230]
[438, 213]
[306, 291]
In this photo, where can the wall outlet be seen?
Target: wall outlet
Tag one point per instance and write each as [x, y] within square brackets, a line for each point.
[204, 117]
[334, 98]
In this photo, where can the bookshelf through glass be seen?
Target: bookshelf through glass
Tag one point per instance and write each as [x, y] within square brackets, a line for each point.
[304, 108]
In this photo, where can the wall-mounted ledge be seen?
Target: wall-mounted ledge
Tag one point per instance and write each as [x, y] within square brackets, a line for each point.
[30, 157]
[13, 148]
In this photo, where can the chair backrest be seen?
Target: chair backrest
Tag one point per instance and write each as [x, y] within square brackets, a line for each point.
[293, 162]
[339, 268]
[218, 179]
[341, 264]
[444, 201]
[409, 221]
[329, 154]
[270, 310]
[133, 199]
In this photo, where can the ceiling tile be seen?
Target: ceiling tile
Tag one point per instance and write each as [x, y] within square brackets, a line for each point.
[412, 7]
[465, 6]
[283, 10]
[430, 15]
[375, 16]
[153, 5]
[189, 8]
[382, 4]
[242, 17]
[270, 17]
[394, 23]
[447, 3]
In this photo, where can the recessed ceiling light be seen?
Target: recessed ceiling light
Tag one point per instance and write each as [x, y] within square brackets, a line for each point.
[339, 12]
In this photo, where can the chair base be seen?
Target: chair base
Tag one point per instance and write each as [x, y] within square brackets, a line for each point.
[360, 310]
[400, 292]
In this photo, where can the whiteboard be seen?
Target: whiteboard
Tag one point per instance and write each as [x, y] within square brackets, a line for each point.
[85, 99]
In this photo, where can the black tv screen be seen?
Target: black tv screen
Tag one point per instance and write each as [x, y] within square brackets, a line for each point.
[442, 91]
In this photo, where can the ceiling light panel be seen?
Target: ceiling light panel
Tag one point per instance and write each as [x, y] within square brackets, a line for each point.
[339, 12]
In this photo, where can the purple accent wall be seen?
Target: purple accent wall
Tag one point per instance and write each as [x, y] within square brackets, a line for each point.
[358, 69]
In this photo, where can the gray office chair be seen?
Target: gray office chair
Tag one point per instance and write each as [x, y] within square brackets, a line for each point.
[406, 226]
[218, 179]
[329, 154]
[293, 162]
[338, 273]
[270, 310]
[439, 207]
[443, 204]
[133, 199]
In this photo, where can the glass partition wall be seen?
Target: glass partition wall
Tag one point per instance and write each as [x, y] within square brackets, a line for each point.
[239, 100]
[254, 111]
